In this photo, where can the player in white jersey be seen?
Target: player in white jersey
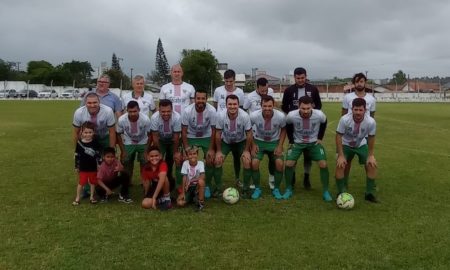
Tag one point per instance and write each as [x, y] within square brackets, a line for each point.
[166, 134]
[233, 134]
[359, 85]
[198, 123]
[269, 133]
[101, 115]
[309, 128]
[145, 100]
[252, 103]
[133, 130]
[180, 93]
[351, 134]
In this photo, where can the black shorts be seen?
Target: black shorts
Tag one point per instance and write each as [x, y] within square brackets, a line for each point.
[152, 189]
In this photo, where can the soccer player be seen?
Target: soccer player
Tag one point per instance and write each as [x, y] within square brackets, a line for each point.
[269, 132]
[111, 175]
[198, 123]
[166, 131]
[252, 103]
[233, 134]
[359, 85]
[193, 185]
[156, 183]
[220, 94]
[101, 116]
[351, 134]
[309, 128]
[290, 102]
[145, 100]
[133, 130]
[180, 93]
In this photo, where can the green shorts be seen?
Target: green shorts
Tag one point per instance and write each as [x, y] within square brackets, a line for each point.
[237, 148]
[267, 148]
[362, 153]
[135, 149]
[202, 143]
[316, 151]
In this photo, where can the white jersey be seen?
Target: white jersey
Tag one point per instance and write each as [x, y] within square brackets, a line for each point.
[146, 102]
[133, 132]
[306, 130]
[199, 124]
[354, 134]
[252, 101]
[220, 95]
[166, 129]
[192, 172]
[267, 130]
[179, 94]
[233, 131]
[370, 102]
[103, 119]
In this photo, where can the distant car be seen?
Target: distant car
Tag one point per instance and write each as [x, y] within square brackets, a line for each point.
[72, 93]
[11, 93]
[48, 94]
[28, 93]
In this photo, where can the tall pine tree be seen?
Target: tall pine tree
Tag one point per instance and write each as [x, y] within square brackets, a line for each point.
[115, 62]
[161, 73]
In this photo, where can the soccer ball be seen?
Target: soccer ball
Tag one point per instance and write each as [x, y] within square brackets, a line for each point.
[230, 195]
[345, 201]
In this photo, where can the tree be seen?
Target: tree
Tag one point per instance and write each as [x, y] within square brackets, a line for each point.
[80, 72]
[200, 69]
[399, 77]
[5, 69]
[115, 62]
[161, 73]
[39, 71]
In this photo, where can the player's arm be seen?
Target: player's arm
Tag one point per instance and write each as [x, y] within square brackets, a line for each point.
[285, 101]
[279, 150]
[317, 100]
[121, 147]
[177, 157]
[75, 135]
[102, 185]
[341, 161]
[155, 138]
[248, 140]
[371, 161]
[344, 111]
[212, 143]
[218, 142]
[322, 129]
[112, 136]
[146, 185]
[184, 139]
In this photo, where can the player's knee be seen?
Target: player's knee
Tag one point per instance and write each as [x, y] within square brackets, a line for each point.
[322, 164]
[290, 163]
[201, 183]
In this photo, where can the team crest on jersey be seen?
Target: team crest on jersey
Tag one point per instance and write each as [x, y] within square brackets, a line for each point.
[184, 91]
[222, 96]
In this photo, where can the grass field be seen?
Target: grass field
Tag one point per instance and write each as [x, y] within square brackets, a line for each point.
[40, 229]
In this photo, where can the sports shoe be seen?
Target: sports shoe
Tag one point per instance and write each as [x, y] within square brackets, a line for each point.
[165, 205]
[104, 199]
[239, 183]
[371, 198]
[217, 193]
[306, 182]
[256, 194]
[207, 193]
[287, 194]
[124, 199]
[271, 181]
[252, 186]
[276, 194]
[200, 207]
[245, 194]
[327, 196]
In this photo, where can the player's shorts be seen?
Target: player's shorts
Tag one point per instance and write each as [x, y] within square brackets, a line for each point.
[135, 149]
[87, 177]
[362, 152]
[191, 194]
[152, 189]
[316, 151]
[233, 147]
[166, 148]
[267, 148]
[202, 143]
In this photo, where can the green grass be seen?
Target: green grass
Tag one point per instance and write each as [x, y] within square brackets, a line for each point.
[40, 229]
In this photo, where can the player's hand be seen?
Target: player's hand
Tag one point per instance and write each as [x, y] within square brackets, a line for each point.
[371, 161]
[341, 162]
[219, 158]
[210, 155]
[109, 192]
[318, 142]
[154, 203]
[278, 151]
[246, 156]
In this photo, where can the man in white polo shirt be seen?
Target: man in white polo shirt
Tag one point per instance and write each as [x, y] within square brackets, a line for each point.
[145, 100]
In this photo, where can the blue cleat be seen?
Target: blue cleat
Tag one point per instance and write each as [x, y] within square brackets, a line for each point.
[207, 193]
[287, 194]
[327, 196]
[256, 193]
[276, 194]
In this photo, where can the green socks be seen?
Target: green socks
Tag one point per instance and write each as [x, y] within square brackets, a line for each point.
[324, 178]
[370, 186]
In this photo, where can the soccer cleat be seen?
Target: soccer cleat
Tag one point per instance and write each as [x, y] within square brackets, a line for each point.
[287, 194]
[217, 193]
[271, 181]
[104, 199]
[207, 193]
[327, 196]
[276, 194]
[252, 186]
[200, 207]
[165, 205]
[124, 199]
[245, 194]
[371, 198]
[239, 183]
[256, 194]
[306, 182]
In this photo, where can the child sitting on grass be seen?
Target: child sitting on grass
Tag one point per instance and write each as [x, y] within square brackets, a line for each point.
[193, 172]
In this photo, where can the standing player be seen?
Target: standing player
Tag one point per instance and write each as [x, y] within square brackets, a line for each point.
[145, 100]
[290, 102]
[233, 133]
[351, 134]
[133, 130]
[180, 93]
[198, 123]
[166, 131]
[359, 85]
[220, 95]
[269, 132]
[309, 128]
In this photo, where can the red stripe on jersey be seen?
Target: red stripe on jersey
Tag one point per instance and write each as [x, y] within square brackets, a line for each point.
[306, 125]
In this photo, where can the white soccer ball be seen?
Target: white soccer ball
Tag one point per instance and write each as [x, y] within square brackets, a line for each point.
[345, 201]
[230, 195]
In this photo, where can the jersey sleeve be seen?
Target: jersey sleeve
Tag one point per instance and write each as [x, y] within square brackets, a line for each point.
[154, 123]
[163, 167]
[77, 119]
[247, 123]
[289, 119]
[282, 120]
[185, 118]
[162, 93]
[341, 126]
[372, 128]
[184, 168]
[176, 123]
[247, 103]
[119, 126]
[216, 95]
[201, 166]
[118, 107]
[219, 121]
[111, 121]
[344, 102]
[152, 103]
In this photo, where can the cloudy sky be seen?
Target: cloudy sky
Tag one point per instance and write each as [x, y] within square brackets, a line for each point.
[327, 37]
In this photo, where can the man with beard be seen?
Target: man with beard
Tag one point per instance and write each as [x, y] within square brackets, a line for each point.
[198, 123]
[351, 134]
[180, 93]
[360, 91]
[290, 102]
[309, 128]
